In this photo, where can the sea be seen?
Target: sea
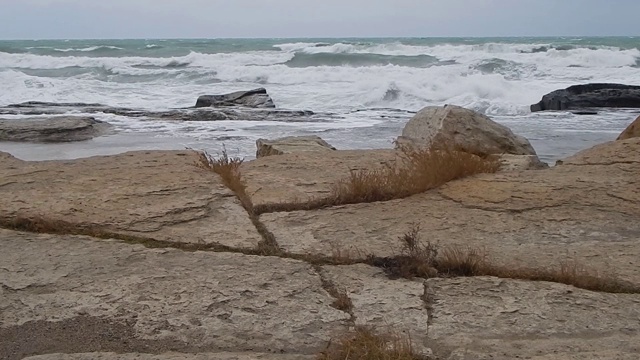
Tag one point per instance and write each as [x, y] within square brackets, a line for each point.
[370, 87]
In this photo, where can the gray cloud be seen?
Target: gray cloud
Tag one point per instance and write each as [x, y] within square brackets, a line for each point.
[27, 19]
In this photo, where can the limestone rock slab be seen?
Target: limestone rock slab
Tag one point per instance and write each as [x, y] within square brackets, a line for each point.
[396, 306]
[171, 356]
[536, 219]
[490, 318]
[157, 194]
[306, 175]
[291, 144]
[162, 299]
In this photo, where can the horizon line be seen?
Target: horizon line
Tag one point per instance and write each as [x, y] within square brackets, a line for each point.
[326, 37]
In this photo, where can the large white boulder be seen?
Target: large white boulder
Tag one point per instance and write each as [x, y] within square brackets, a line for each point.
[455, 127]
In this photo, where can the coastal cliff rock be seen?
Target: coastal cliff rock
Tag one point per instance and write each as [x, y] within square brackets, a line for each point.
[632, 131]
[590, 96]
[463, 129]
[291, 144]
[145, 255]
[257, 98]
[53, 129]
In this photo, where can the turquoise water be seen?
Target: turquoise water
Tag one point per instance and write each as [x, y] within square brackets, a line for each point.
[182, 47]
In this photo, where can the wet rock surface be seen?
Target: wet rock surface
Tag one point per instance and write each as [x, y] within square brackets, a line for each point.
[256, 98]
[52, 129]
[184, 114]
[590, 96]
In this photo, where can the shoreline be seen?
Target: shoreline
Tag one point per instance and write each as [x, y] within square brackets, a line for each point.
[553, 135]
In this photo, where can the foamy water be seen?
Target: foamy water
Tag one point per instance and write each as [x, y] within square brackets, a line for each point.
[369, 83]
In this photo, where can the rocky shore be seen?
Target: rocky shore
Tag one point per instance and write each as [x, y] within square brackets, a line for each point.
[152, 255]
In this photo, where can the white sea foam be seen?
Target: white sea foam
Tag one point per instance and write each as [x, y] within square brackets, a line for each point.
[497, 78]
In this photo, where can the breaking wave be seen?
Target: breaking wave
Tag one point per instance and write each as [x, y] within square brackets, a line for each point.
[494, 77]
[350, 59]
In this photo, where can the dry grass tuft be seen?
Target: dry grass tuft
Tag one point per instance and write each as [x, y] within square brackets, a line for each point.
[570, 272]
[428, 260]
[457, 261]
[415, 260]
[365, 344]
[46, 225]
[229, 170]
[40, 224]
[417, 171]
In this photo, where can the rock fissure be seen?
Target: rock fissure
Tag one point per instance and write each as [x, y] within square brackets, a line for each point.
[602, 163]
[498, 210]
[342, 300]
[428, 298]
[196, 213]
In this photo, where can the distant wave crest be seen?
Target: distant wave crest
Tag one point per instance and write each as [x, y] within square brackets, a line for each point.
[302, 60]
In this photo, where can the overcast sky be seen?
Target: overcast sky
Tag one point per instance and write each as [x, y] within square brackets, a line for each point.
[72, 19]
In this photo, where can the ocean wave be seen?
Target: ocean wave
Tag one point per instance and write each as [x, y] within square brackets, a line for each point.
[510, 69]
[496, 78]
[392, 49]
[356, 60]
[298, 46]
[172, 64]
[91, 48]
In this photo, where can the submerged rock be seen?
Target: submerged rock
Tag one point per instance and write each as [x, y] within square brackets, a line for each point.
[54, 129]
[456, 127]
[257, 98]
[291, 144]
[632, 131]
[590, 96]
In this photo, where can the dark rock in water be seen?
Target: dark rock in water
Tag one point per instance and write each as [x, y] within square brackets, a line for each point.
[54, 129]
[257, 98]
[584, 112]
[183, 114]
[32, 104]
[590, 96]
